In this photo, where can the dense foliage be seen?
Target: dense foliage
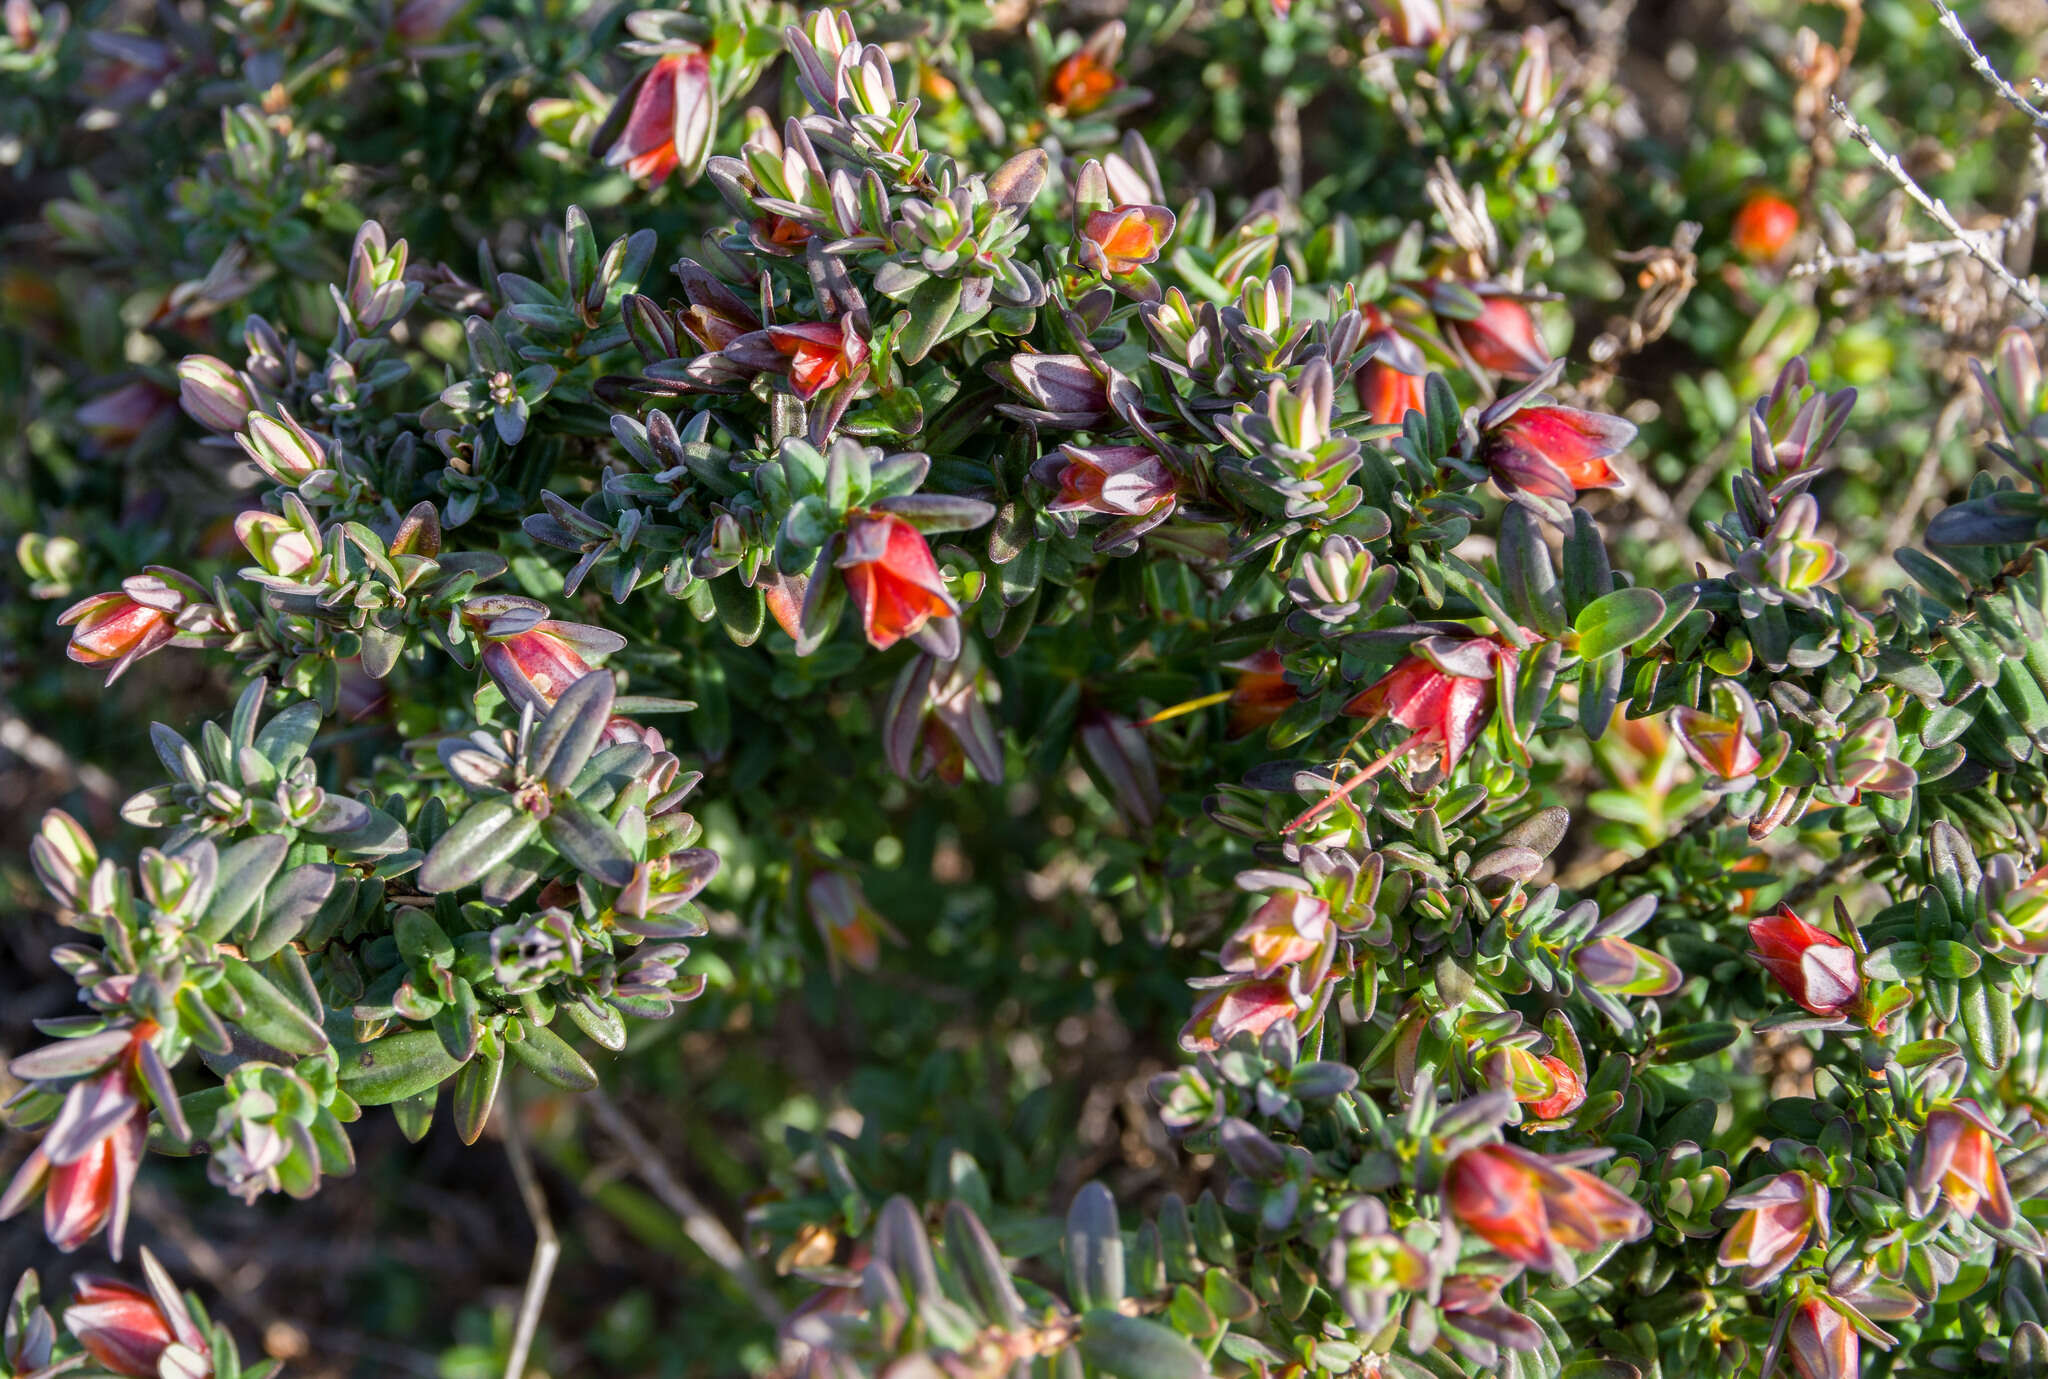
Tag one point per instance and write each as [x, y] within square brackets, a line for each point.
[1245, 689]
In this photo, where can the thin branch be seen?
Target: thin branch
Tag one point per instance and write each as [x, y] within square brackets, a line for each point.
[547, 1248]
[1984, 69]
[1973, 242]
[699, 1223]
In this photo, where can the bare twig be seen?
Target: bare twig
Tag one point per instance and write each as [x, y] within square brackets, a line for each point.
[1908, 516]
[1974, 242]
[699, 1222]
[1984, 69]
[546, 1247]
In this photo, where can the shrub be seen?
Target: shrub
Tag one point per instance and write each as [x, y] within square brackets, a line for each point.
[900, 529]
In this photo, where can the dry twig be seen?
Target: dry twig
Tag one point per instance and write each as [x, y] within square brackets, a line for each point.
[547, 1248]
[1976, 243]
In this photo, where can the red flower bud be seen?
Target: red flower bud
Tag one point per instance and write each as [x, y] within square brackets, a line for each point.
[128, 1329]
[1816, 969]
[1502, 338]
[1764, 226]
[893, 578]
[1555, 452]
[112, 627]
[1120, 480]
[1534, 1211]
[534, 657]
[1822, 1343]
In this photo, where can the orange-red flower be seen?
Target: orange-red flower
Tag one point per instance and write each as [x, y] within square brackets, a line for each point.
[1717, 746]
[1776, 1222]
[1822, 1343]
[1502, 338]
[1958, 1154]
[820, 354]
[1764, 226]
[1555, 452]
[1081, 83]
[1535, 1210]
[1290, 927]
[86, 1163]
[534, 657]
[1247, 1008]
[1387, 393]
[670, 119]
[1815, 968]
[113, 627]
[893, 578]
[1124, 238]
[1445, 711]
[1119, 480]
[1261, 694]
[129, 1330]
[1569, 1096]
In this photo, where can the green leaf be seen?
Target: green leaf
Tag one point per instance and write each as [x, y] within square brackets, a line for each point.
[573, 728]
[1612, 621]
[1133, 1348]
[489, 832]
[245, 869]
[1095, 1249]
[269, 1014]
[587, 842]
[395, 1067]
[548, 1056]
[931, 309]
[476, 1089]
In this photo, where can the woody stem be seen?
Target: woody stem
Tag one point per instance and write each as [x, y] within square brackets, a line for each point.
[1331, 800]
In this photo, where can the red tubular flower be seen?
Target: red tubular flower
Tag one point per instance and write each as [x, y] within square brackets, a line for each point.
[1445, 711]
[114, 627]
[820, 354]
[534, 657]
[129, 1330]
[1535, 1211]
[1764, 227]
[851, 928]
[893, 578]
[1555, 452]
[1125, 238]
[1775, 1224]
[87, 1161]
[670, 121]
[1250, 1008]
[1442, 711]
[1816, 969]
[1261, 694]
[1822, 1343]
[1387, 393]
[1958, 1153]
[1502, 338]
[1569, 1096]
[1289, 928]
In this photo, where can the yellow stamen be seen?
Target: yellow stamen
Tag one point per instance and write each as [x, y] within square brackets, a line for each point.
[1186, 706]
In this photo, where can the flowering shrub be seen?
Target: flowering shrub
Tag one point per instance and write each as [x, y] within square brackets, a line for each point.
[930, 580]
